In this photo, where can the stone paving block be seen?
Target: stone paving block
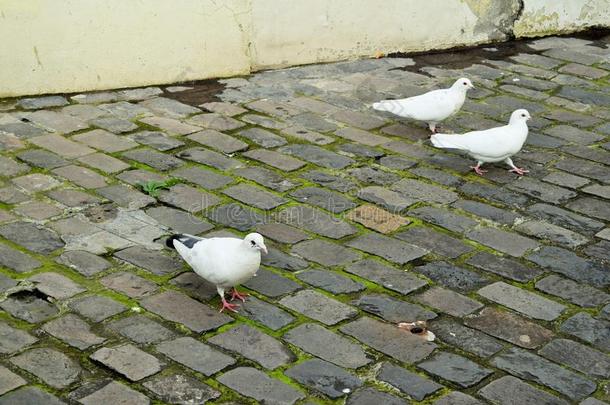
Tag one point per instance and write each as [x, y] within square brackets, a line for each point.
[181, 388]
[114, 392]
[531, 367]
[188, 198]
[388, 339]
[14, 340]
[205, 178]
[54, 368]
[150, 260]
[495, 194]
[390, 278]
[367, 395]
[215, 121]
[362, 137]
[254, 345]
[81, 176]
[11, 168]
[505, 242]
[316, 221]
[456, 369]
[219, 141]
[391, 309]
[324, 377]
[580, 294]
[103, 162]
[565, 218]
[6, 283]
[305, 134]
[275, 159]
[567, 263]
[61, 146]
[434, 241]
[29, 306]
[106, 141]
[228, 109]
[139, 94]
[444, 218]
[282, 233]
[235, 216]
[504, 267]
[169, 108]
[9, 380]
[325, 179]
[453, 277]
[11, 195]
[577, 356]
[37, 103]
[467, 339]
[129, 284]
[263, 138]
[591, 207]
[141, 329]
[97, 307]
[330, 281]
[330, 201]
[16, 260]
[113, 124]
[35, 238]
[542, 191]
[267, 314]
[254, 196]
[128, 361]
[487, 211]
[509, 327]
[267, 178]
[424, 192]
[600, 250]
[195, 355]
[263, 121]
[176, 307]
[42, 158]
[554, 233]
[73, 331]
[55, 285]
[317, 156]
[327, 345]
[38, 210]
[407, 382]
[170, 125]
[512, 391]
[125, 196]
[154, 159]
[54, 121]
[318, 306]
[370, 175]
[30, 395]
[357, 150]
[157, 140]
[532, 305]
[391, 200]
[448, 301]
[584, 168]
[73, 198]
[589, 329]
[325, 253]
[457, 398]
[95, 98]
[253, 383]
[388, 248]
[179, 221]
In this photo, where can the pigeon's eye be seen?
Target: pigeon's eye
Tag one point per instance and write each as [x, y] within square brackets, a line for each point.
[252, 243]
[523, 115]
[465, 84]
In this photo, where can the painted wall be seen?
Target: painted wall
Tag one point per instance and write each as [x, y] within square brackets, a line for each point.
[54, 46]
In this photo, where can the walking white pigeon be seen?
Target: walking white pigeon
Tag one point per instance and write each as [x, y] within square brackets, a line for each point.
[491, 145]
[224, 262]
[431, 107]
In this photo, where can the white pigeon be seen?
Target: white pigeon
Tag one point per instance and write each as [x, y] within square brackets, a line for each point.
[224, 262]
[431, 107]
[491, 145]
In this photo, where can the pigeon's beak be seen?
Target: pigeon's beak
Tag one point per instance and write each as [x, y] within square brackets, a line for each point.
[264, 249]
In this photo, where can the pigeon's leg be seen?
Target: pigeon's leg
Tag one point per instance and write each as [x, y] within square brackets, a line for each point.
[477, 169]
[432, 126]
[225, 304]
[238, 295]
[519, 170]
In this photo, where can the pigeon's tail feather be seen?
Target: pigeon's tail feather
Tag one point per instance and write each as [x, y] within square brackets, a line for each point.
[392, 106]
[445, 141]
[185, 239]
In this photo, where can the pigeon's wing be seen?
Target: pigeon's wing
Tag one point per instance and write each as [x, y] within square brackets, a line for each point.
[491, 143]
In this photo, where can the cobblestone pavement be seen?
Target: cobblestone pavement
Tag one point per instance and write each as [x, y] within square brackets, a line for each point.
[367, 226]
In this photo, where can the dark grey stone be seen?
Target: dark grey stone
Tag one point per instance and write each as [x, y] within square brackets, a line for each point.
[85, 263]
[437, 242]
[13, 339]
[29, 306]
[577, 356]
[494, 193]
[388, 248]
[267, 314]
[331, 181]
[512, 391]
[152, 158]
[504, 267]
[355, 149]
[42, 158]
[324, 377]
[16, 260]
[327, 345]
[542, 191]
[370, 175]
[569, 264]
[128, 361]
[141, 329]
[453, 277]
[456, 369]
[589, 329]
[195, 285]
[53, 367]
[397, 162]
[330, 201]
[579, 294]
[564, 218]
[125, 196]
[390, 278]
[157, 140]
[444, 218]
[407, 382]
[319, 307]
[73, 331]
[181, 389]
[282, 233]
[389, 339]
[424, 192]
[97, 307]
[205, 178]
[391, 309]
[528, 366]
[253, 383]
[35, 238]
[584, 168]
[437, 176]
[330, 281]
[317, 156]
[150, 260]
[458, 398]
[316, 221]
[195, 355]
[281, 260]
[236, 216]
[271, 284]
[275, 159]
[35, 103]
[325, 253]
[591, 207]
[487, 211]
[448, 301]
[179, 221]
[266, 177]
[368, 396]
[465, 338]
[254, 345]
[263, 138]
[30, 396]
[254, 196]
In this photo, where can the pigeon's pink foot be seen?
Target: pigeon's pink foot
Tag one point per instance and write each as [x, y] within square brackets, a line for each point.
[230, 307]
[519, 170]
[477, 169]
[238, 295]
